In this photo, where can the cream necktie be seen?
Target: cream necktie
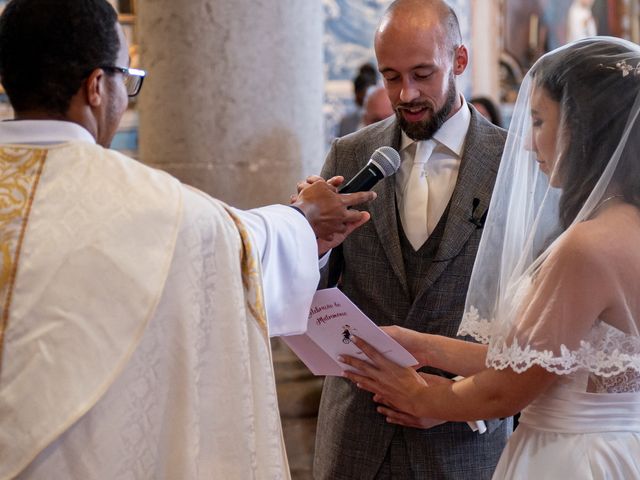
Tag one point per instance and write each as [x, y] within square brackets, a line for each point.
[416, 197]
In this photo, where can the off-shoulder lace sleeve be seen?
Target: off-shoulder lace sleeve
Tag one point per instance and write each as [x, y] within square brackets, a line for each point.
[560, 317]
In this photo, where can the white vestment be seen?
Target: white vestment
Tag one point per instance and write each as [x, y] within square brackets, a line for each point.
[135, 340]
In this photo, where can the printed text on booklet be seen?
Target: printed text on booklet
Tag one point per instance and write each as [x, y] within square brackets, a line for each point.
[333, 320]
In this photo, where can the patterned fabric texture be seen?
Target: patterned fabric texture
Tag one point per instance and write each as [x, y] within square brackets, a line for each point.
[130, 314]
[353, 440]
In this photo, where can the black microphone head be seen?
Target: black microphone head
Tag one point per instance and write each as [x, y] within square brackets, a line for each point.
[387, 160]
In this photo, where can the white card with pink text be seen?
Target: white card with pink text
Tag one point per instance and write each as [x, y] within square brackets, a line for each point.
[333, 320]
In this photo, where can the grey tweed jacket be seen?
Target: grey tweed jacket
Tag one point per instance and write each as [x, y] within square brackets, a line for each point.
[353, 440]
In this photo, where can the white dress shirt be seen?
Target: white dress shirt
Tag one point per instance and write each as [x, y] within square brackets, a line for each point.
[441, 168]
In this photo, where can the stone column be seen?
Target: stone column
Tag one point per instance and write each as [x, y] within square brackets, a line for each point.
[233, 105]
[233, 99]
[485, 57]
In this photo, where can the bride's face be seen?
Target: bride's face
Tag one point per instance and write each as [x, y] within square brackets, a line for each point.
[545, 122]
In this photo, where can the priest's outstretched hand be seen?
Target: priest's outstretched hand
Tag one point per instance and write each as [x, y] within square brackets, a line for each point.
[328, 212]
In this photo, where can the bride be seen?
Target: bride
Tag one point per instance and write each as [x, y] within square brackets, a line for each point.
[554, 297]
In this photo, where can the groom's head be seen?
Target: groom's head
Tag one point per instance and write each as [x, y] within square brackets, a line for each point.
[419, 51]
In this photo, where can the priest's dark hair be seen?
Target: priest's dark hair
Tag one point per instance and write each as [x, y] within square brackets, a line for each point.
[49, 47]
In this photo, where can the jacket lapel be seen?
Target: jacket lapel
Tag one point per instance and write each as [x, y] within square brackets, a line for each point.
[383, 209]
[478, 170]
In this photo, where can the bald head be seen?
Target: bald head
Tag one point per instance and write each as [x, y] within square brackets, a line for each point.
[420, 54]
[423, 14]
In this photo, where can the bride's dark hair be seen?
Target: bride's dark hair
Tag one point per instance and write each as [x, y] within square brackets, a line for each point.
[596, 82]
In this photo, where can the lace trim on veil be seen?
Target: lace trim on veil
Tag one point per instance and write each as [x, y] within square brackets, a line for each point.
[475, 326]
[606, 351]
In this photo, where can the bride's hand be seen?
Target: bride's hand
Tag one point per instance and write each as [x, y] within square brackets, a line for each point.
[399, 387]
[404, 419]
[415, 343]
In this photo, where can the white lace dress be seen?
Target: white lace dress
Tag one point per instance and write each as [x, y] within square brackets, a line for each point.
[583, 427]
[573, 312]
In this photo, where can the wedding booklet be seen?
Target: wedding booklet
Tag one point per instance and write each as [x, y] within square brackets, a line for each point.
[333, 321]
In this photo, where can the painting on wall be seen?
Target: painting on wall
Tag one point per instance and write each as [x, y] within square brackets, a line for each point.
[348, 32]
[534, 27]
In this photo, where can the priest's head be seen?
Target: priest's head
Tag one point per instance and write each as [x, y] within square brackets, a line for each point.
[67, 60]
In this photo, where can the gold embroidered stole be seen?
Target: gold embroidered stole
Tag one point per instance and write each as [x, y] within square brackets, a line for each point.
[20, 171]
[251, 276]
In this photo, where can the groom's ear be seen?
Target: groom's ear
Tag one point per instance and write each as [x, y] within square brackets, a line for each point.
[460, 60]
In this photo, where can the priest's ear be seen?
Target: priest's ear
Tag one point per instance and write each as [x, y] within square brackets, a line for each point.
[94, 87]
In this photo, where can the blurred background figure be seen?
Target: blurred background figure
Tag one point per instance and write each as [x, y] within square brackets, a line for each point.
[368, 70]
[352, 121]
[580, 21]
[377, 105]
[488, 109]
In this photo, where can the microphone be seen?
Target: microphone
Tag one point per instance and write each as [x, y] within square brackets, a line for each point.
[477, 220]
[384, 162]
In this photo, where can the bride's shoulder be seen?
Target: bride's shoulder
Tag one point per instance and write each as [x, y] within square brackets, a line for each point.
[585, 242]
[599, 240]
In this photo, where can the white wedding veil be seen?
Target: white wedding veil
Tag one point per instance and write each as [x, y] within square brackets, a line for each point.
[556, 281]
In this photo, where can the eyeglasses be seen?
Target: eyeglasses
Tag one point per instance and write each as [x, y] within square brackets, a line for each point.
[132, 78]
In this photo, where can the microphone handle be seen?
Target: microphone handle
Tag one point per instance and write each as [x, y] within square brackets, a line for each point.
[364, 180]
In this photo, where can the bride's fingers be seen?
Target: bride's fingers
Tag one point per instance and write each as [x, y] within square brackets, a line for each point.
[373, 354]
[362, 382]
[404, 419]
[360, 365]
[394, 416]
[378, 398]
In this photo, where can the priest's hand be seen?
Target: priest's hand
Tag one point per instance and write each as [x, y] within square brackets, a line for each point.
[328, 211]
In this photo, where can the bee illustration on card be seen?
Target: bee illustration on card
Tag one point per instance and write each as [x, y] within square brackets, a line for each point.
[347, 333]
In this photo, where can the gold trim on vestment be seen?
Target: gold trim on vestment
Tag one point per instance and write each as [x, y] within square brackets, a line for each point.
[20, 171]
[74, 172]
[251, 277]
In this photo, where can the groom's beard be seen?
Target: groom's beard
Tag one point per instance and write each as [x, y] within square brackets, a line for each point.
[425, 129]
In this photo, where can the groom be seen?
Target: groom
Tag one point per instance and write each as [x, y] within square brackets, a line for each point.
[404, 268]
